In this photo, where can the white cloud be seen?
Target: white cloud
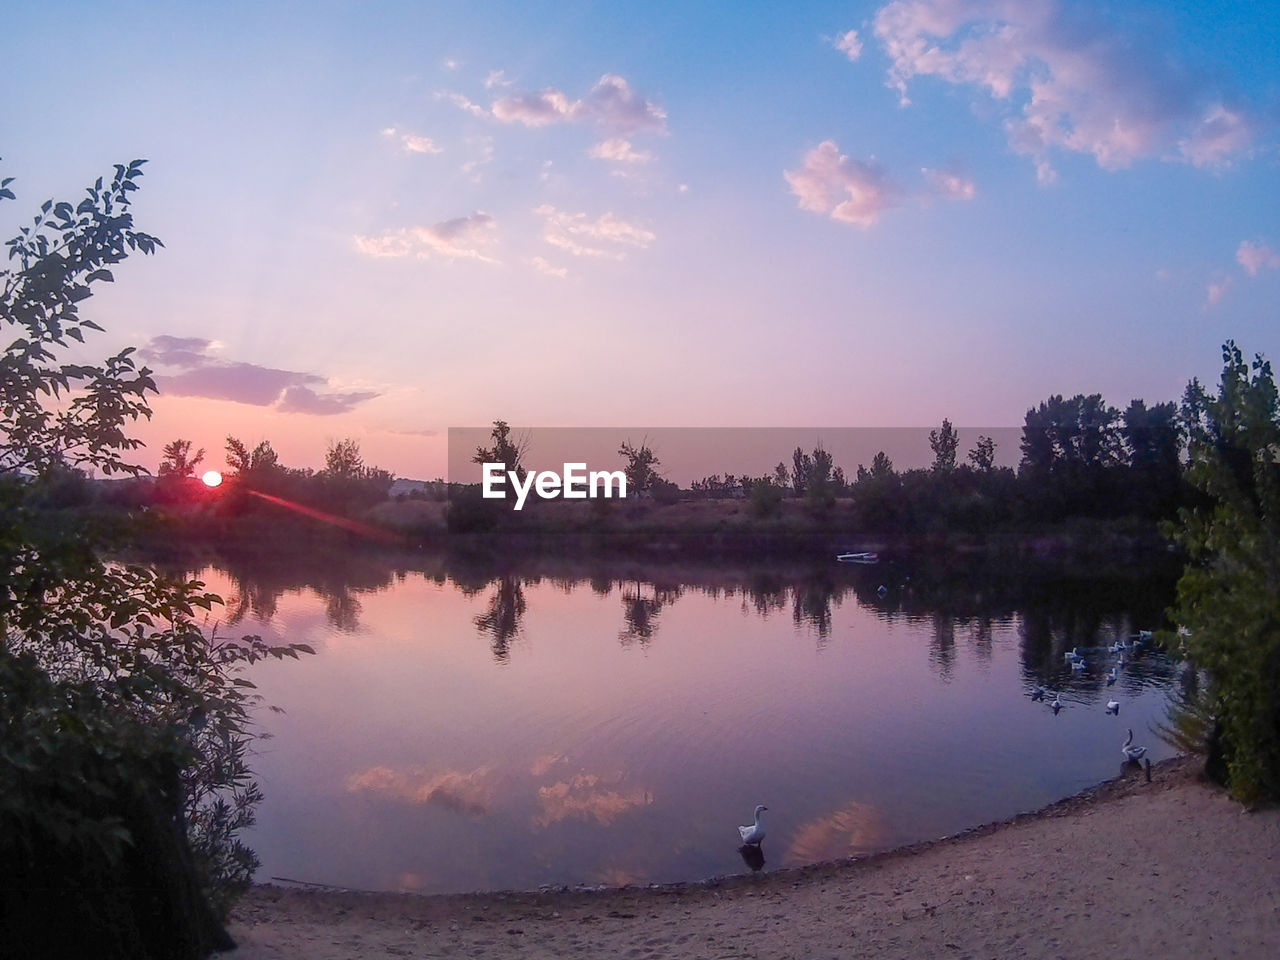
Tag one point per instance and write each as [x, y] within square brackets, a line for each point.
[496, 78]
[537, 109]
[1256, 257]
[1221, 135]
[847, 190]
[611, 103]
[411, 142]
[1214, 291]
[483, 147]
[618, 150]
[949, 183]
[849, 44]
[460, 238]
[542, 266]
[607, 236]
[1070, 81]
[462, 103]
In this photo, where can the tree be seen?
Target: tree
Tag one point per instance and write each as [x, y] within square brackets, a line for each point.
[801, 465]
[261, 459]
[881, 468]
[505, 450]
[1228, 599]
[177, 461]
[641, 468]
[1070, 436]
[766, 498]
[1152, 436]
[343, 459]
[781, 476]
[119, 715]
[983, 454]
[944, 443]
[819, 488]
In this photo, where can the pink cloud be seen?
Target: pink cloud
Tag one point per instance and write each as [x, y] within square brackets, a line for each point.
[537, 109]
[1221, 135]
[611, 103]
[949, 183]
[849, 44]
[1214, 292]
[847, 190]
[618, 150]
[607, 236]
[1256, 257]
[460, 238]
[1081, 85]
[196, 371]
[412, 142]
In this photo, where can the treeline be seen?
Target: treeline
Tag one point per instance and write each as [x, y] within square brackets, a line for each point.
[255, 476]
[1080, 458]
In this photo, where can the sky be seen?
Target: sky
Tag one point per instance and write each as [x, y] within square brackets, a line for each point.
[384, 220]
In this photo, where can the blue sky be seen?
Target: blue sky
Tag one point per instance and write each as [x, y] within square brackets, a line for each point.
[383, 220]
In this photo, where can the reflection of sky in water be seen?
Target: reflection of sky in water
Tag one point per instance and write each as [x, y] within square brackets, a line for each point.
[508, 733]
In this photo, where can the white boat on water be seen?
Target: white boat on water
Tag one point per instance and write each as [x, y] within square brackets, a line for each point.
[865, 557]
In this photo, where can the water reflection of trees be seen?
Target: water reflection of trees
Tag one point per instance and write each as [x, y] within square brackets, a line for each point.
[811, 602]
[641, 605]
[259, 582]
[960, 606]
[500, 621]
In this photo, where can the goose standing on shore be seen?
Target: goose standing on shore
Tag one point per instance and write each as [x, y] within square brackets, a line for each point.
[1113, 707]
[1130, 751]
[1111, 677]
[754, 833]
[1056, 705]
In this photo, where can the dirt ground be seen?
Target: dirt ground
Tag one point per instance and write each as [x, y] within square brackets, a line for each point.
[1171, 868]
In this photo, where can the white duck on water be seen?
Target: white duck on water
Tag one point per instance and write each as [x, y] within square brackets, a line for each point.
[755, 832]
[1130, 751]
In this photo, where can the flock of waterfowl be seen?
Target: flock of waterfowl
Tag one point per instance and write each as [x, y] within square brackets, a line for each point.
[1079, 662]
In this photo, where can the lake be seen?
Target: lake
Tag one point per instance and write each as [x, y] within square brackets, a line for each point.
[467, 728]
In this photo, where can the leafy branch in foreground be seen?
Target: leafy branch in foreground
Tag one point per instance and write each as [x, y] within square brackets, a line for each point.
[123, 724]
[1228, 600]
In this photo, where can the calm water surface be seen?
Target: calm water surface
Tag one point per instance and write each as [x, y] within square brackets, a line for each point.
[472, 731]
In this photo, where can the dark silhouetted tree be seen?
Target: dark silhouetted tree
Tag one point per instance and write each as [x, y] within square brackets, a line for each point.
[177, 461]
[123, 727]
[343, 460]
[641, 468]
[944, 443]
[983, 454]
[507, 450]
[1228, 602]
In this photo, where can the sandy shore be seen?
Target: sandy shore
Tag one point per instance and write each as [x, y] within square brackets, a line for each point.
[1171, 868]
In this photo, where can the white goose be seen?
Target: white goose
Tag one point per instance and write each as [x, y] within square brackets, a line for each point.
[1111, 677]
[1056, 705]
[1072, 655]
[1113, 707]
[1078, 665]
[754, 833]
[1131, 752]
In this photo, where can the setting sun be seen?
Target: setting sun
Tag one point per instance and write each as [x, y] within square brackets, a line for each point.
[212, 478]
